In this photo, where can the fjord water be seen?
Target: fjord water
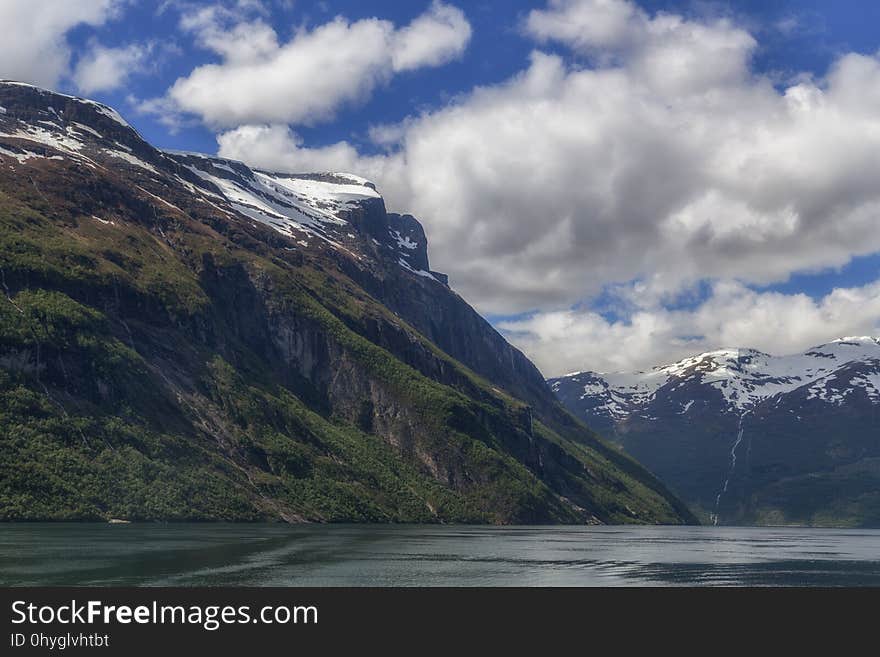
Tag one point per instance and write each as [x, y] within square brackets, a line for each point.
[348, 555]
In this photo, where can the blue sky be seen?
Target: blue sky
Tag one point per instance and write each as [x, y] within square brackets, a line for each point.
[497, 52]
[588, 207]
[822, 29]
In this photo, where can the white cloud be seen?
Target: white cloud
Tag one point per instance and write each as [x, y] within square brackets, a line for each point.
[226, 32]
[436, 37]
[278, 147]
[587, 24]
[34, 47]
[317, 71]
[732, 316]
[105, 69]
[666, 51]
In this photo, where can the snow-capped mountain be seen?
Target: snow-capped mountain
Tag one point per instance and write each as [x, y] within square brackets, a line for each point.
[332, 210]
[743, 379]
[721, 426]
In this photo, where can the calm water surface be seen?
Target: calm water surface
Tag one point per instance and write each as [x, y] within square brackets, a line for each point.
[276, 555]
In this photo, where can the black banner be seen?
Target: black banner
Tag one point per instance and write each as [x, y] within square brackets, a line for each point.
[257, 621]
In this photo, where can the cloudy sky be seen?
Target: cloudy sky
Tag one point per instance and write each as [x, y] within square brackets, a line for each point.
[614, 183]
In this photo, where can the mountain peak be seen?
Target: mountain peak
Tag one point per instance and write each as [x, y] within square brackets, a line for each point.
[11, 86]
[741, 379]
[339, 212]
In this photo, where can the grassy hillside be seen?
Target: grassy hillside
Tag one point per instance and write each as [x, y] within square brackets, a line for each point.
[163, 361]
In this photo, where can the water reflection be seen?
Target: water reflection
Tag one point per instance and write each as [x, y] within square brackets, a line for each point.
[280, 555]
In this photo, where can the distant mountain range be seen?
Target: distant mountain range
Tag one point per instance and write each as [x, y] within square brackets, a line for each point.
[746, 437]
[183, 337]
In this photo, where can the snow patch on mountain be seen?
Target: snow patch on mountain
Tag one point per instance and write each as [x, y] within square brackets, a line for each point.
[286, 203]
[24, 155]
[744, 377]
[55, 139]
[131, 159]
[84, 128]
[325, 199]
[418, 272]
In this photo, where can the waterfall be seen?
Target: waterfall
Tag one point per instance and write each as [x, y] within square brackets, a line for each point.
[736, 443]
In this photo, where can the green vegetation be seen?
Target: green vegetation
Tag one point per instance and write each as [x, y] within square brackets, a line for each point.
[182, 369]
[847, 496]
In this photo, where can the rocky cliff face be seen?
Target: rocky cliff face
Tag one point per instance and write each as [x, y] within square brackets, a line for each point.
[185, 337]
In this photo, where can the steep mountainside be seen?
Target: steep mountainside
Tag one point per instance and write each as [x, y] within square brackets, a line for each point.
[182, 337]
[746, 437]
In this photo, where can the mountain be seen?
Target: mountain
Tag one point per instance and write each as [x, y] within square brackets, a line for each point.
[185, 338]
[745, 437]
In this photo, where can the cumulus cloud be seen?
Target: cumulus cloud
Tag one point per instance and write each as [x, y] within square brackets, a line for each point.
[306, 79]
[733, 316]
[104, 69]
[587, 24]
[34, 46]
[436, 37]
[227, 32]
